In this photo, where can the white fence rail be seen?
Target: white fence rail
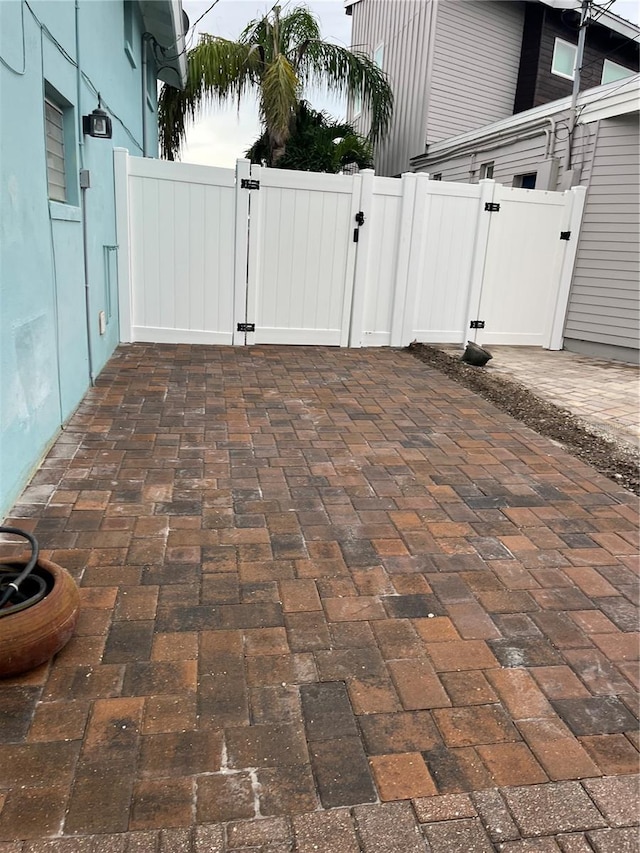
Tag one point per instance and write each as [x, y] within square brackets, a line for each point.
[347, 260]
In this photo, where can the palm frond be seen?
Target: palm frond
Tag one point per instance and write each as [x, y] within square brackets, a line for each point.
[218, 69]
[280, 93]
[344, 72]
[296, 28]
[278, 55]
[312, 145]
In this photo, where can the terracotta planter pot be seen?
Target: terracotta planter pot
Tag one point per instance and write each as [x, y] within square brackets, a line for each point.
[33, 635]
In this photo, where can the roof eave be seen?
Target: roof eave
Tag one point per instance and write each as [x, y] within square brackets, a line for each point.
[165, 20]
[606, 19]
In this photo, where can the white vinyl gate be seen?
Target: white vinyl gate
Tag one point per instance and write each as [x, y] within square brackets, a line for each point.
[301, 257]
[256, 255]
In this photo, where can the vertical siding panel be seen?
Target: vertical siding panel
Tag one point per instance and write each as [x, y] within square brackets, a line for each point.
[473, 78]
[403, 28]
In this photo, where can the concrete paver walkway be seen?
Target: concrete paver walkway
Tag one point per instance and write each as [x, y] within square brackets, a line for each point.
[605, 394]
[332, 601]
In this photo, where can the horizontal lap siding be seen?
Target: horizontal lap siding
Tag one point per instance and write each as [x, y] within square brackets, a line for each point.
[475, 65]
[521, 156]
[604, 305]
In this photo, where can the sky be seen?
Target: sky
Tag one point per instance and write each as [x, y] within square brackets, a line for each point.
[223, 134]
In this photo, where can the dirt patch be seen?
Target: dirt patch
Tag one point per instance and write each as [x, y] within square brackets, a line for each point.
[615, 459]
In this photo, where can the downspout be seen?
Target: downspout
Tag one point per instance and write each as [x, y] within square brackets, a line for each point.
[550, 133]
[84, 185]
[79, 88]
[145, 73]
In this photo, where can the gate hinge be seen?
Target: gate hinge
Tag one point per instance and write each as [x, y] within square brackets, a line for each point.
[565, 235]
[476, 324]
[249, 184]
[246, 327]
[491, 206]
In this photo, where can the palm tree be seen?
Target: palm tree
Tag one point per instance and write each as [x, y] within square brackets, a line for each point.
[276, 56]
[318, 143]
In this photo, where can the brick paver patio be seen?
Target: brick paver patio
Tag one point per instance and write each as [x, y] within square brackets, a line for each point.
[333, 602]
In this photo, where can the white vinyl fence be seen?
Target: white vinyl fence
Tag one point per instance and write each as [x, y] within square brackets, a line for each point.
[255, 255]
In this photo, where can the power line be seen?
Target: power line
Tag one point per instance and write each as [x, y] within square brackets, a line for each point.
[46, 31]
[189, 34]
[186, 48]
[24, 52]
[628, 40]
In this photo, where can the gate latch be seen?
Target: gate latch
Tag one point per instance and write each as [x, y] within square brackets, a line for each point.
[360, 217]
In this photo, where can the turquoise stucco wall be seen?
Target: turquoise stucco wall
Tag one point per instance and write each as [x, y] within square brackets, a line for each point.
[44, 364]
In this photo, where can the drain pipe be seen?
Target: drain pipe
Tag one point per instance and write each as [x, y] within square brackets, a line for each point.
[78, 86]
[85, 183]
[145, 86]
[145, 71]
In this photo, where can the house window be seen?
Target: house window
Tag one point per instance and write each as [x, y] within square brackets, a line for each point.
[54, 142]
[564, 59]
[526, 182]
[378, 55]
[486, 170]
[437, 176]
[357, 103]
[612, 71]
[152, 82]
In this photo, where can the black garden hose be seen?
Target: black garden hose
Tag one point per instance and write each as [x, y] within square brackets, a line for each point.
[10, 589]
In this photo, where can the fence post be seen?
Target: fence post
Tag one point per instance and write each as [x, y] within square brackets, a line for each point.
[253, 259]
[480, 245]
[405, 239]
[125, 288]
[361, 273]
[241, 236]
[575, 200]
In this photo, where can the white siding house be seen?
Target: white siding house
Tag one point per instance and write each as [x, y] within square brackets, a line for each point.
[480, 93]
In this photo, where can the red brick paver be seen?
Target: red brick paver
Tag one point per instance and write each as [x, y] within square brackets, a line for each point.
[331, 601]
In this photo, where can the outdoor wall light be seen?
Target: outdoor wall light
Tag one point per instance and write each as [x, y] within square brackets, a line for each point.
[97, 123]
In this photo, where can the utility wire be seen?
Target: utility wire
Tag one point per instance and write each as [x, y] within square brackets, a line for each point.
[186, 49]
[47, 32]
[24, 52]
[189, 34]
[628, 40]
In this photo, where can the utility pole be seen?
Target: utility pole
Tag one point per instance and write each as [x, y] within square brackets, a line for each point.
[582, 37]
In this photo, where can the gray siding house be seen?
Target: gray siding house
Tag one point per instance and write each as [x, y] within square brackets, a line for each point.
[482, 90]
[457, 65]
[531, 149]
